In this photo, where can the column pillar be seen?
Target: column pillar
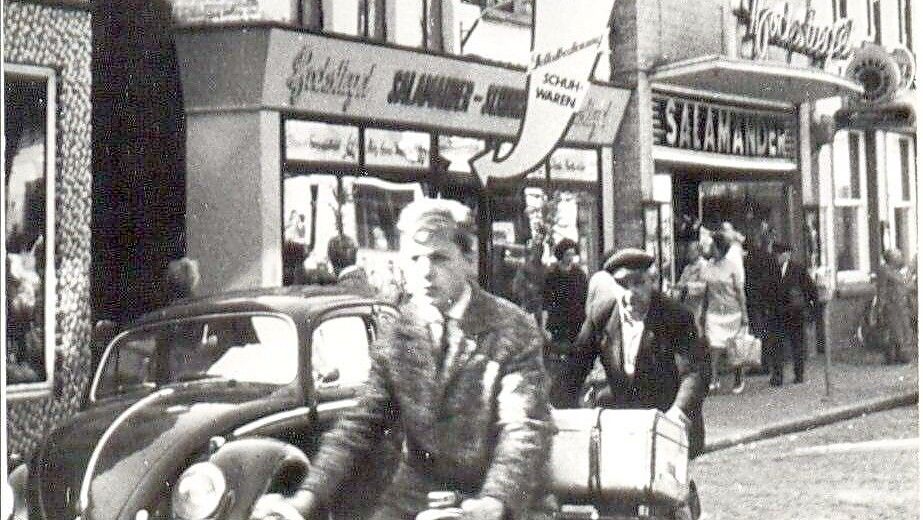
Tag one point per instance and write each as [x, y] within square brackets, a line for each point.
[234, 199]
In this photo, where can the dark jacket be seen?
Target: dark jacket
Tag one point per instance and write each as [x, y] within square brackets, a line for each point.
[798, 293]
[564, 298]
[481, 425]
[671, 366]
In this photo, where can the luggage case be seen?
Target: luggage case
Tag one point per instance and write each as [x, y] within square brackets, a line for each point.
[601, 454]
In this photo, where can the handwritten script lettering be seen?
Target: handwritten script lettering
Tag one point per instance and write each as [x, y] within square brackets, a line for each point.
[327, 76]
[773, 27]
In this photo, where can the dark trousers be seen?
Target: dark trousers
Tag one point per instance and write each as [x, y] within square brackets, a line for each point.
[790, 332]
[794, 335]
[773, 338]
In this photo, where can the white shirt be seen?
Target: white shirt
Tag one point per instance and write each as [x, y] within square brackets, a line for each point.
[632, 332]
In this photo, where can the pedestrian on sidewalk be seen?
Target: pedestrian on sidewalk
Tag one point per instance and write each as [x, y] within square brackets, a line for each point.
[764, 303]
[725, 305]
[894, 315]
[691, 284]
[564, 298]
[799, 303]
[342, 251]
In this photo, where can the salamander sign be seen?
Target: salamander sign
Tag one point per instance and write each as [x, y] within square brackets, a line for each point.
[722, 129]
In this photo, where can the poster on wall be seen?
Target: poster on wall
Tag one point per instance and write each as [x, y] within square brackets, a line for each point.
[28, 202]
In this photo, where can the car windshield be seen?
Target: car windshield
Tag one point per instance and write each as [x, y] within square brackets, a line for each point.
[254, 348]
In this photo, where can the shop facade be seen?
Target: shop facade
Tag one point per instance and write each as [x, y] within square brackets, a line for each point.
[722, 126]
[47, 185]
[296, 137]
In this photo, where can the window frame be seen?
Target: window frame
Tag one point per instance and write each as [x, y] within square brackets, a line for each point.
[840, 150]
[49, 76]
[323, 394]
[93, 396]
[893, 183]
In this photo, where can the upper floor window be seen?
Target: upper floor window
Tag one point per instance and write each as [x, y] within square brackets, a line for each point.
[874, 19]
[839, 9]
[905, 22]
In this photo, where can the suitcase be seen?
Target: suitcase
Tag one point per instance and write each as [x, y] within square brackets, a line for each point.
[636, 455]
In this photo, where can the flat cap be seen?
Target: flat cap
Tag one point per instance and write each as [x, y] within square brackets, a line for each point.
[629, 258]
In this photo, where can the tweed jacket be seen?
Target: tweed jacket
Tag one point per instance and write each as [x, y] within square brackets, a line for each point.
[671, 364]
[481, 424]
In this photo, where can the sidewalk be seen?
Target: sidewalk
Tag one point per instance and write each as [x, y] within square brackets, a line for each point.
[763, 411]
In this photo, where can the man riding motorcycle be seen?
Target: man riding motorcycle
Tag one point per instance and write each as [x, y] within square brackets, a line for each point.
[460, 372]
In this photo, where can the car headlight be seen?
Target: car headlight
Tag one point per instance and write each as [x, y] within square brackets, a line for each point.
[198, 492]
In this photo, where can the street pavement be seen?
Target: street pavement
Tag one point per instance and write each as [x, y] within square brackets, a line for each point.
[763, 411]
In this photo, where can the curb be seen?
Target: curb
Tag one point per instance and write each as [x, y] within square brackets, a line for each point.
[822, 418]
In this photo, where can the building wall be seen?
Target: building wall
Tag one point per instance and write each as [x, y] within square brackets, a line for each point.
[59, 37]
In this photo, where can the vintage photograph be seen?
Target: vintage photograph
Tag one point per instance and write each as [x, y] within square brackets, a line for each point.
[460, 259]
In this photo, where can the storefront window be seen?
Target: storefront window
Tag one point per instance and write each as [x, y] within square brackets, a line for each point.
[321, 206]
[850, 206]
[28, 201]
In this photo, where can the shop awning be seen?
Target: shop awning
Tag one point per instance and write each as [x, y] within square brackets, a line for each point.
[754, 79]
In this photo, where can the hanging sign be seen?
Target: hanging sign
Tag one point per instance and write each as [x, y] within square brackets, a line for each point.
[321, 142]
[566, 40]
[396, 149]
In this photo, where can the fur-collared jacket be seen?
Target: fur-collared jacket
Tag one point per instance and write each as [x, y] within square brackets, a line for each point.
[481, 424]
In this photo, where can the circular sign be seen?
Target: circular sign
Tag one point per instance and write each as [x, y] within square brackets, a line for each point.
[876, 71]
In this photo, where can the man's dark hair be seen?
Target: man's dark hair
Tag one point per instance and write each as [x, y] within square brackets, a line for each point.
[561, 247]
[341, 250]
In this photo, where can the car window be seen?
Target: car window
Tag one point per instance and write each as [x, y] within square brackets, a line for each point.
[245, 348]
[340, 351]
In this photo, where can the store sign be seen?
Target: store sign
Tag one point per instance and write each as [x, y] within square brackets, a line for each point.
[225, 11]
[397, 149]
[564, 51]
[781, 27]
[321, 142]
[572, 164]
[458, 151]
[709, 127]
[348, 79]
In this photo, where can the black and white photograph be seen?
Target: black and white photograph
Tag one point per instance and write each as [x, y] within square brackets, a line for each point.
[460, 259]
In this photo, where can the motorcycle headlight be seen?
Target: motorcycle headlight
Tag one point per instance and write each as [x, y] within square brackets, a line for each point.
[198, 492]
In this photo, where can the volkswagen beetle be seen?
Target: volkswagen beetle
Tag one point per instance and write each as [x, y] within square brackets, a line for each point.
[197, 408]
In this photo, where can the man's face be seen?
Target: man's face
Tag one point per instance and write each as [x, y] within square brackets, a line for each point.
[784, 257]
[435, 269]
[639, 283]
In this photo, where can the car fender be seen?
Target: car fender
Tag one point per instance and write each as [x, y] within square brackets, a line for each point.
[252, 466]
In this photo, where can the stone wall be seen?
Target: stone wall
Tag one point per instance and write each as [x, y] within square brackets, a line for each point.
[60, 38]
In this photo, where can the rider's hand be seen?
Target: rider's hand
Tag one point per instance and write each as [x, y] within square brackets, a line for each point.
[274, 505]
[484, 508]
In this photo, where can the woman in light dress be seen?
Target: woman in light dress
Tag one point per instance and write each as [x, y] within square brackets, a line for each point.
[725, 303]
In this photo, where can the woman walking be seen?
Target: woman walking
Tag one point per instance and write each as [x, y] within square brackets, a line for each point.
[725, 305]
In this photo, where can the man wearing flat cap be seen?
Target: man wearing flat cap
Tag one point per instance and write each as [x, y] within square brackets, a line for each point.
[648, 346]
[460, 372]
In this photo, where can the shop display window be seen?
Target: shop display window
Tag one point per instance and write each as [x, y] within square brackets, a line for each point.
[320, 206]
[559, 200]
[850, 212]
[28, 201]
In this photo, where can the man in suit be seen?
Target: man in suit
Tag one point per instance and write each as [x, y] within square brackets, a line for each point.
[460, 371]
[649, 348]
[798, 300]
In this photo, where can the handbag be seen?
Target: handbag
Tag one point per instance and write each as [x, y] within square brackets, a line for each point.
[745, 350]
